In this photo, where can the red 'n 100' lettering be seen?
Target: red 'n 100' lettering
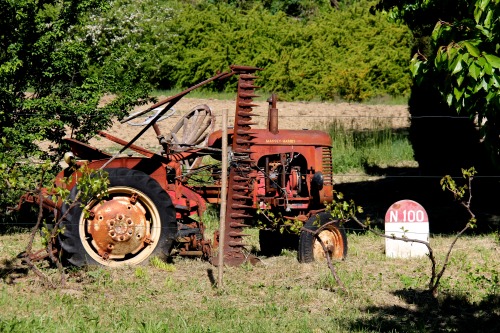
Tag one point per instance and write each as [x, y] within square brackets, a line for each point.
[407, 216]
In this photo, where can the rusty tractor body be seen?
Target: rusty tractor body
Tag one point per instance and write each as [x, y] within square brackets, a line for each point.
[151, 202]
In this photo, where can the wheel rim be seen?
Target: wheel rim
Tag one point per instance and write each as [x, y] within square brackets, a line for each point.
[124, 229]
[333, 241]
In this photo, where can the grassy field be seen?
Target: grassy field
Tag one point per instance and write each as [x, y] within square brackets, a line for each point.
[356, 148]
[276, 295]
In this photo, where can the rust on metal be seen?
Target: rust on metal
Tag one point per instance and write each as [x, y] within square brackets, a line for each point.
[272, 123]
[118, 227]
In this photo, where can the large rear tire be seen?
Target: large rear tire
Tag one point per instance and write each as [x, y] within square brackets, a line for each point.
[136, 221]
[332, 235]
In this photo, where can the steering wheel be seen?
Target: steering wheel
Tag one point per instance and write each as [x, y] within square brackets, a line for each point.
[152, 114]
[193, 129]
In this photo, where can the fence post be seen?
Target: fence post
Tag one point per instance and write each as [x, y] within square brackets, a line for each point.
[222, 223]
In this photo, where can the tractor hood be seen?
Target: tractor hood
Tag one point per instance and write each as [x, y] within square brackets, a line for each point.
[282, 138]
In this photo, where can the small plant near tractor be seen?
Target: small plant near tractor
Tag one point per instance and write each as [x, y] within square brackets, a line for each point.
[154, 203]
[342, 211]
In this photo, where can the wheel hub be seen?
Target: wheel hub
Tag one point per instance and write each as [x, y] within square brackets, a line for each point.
[333, 243]
[118, 227]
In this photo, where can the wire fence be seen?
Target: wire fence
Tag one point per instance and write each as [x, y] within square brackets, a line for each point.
[176, 116]
[406, 173]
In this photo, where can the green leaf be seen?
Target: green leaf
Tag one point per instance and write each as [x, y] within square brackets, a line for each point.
[449, 99]
[477, 13]
[453, 57]
[474, 71]
[466, 58]
[441, 57]
[436, 32]
[473, 50]
[481, 61]
[488, 69]
[493, 60]
[488, 19]
[484, 84]
[495, 80]
[458, 65]
[458, 93]
[477, 87]
[414, 66]
[491, 95]
[484, 4]
[485, 31]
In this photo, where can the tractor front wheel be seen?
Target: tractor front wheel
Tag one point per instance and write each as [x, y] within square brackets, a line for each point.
[332, 234]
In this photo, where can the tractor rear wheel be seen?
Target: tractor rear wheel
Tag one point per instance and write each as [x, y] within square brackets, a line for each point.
[332, 235]
[134, 222]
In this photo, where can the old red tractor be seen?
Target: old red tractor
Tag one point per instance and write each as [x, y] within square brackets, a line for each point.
[151, 202]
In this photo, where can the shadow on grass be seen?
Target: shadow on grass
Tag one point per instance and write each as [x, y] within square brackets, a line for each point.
[425, 314]
[445, 214]
[18, 222]
[10, 270]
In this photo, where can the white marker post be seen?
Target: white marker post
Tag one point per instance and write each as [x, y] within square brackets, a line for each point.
[406, 218]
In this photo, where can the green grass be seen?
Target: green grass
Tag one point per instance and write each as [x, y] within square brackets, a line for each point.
[388, 100]
[354, 149]
[276, 295]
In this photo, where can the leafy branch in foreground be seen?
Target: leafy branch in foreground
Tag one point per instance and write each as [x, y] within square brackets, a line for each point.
[91, 184]
[55, 83]
[346, 210]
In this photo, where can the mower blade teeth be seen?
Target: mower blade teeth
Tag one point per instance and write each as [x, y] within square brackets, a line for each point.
[244, 123]
[235, 225]
[248, 76]
[244, 94]
[238, 206]
[248, 86]
[247, 114]
[236, 244]
[240, 215]
[244, 104]
[243, 142]
[241, 197]
[244, 132]
[236, 234]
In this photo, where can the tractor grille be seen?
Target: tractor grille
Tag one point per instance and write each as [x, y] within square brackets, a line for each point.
[327, 166]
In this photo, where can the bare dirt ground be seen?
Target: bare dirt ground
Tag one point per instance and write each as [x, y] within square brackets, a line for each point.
[292, 115]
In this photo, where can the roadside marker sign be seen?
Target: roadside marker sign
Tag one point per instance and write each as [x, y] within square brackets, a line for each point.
[406, 219]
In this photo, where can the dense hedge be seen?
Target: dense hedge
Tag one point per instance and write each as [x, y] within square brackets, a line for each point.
[347, 53]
